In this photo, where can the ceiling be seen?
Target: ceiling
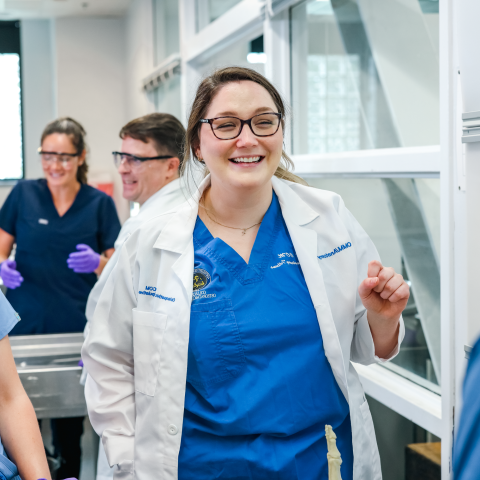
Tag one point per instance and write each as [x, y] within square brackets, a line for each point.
[20, 9]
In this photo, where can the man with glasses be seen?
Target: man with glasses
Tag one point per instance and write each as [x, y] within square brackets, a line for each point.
[148, 162]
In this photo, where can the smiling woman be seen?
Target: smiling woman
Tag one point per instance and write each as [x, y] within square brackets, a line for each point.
[276, 290]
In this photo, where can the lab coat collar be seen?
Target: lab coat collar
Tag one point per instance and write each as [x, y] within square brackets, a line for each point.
[168, 188]
[177, 234]
[294, 209]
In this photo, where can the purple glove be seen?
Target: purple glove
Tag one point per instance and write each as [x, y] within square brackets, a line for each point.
[84, 261]
[11, 278]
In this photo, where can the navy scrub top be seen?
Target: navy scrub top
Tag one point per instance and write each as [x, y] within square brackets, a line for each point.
[259, 387]
[52, 298]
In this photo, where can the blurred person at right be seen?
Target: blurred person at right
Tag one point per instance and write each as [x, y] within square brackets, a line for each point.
[466, 451]
[149, 160]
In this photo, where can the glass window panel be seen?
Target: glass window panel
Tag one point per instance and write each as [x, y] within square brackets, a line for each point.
[209, 10]
[364, 75]
[168, 97]
[409, 243]
[241, 54]
[11, 148]
[165, 29]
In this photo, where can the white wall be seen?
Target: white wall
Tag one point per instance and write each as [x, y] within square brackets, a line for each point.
[90, 80]
[139, 57]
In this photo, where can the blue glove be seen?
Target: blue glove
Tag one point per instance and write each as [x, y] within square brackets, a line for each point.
[84, 261]
[11, 278]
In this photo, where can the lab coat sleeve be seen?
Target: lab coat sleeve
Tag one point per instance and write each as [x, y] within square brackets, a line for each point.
[363, 348]
[108, 356]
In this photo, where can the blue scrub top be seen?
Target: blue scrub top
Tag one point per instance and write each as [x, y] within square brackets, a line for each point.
[52, 298]
[466, 451]
[259, 387]
[8, 319]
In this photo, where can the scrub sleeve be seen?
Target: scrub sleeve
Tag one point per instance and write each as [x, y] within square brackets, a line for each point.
[8, 319]
[259, 388]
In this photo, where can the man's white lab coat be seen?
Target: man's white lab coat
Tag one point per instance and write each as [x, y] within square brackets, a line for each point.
[137, 349]
[168, 197]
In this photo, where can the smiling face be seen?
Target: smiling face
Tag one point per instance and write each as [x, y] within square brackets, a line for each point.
[246, 162]
[57, 173]
[142, 181]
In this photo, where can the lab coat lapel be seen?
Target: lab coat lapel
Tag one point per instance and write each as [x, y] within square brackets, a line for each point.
[298, 217]
[177, 237]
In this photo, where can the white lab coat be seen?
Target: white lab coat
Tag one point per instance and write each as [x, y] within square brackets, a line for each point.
[137, 349]
[168, 197]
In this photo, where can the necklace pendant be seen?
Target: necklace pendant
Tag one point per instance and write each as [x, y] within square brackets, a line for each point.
[244, 232]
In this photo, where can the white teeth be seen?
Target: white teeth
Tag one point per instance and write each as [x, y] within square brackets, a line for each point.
[246, 159]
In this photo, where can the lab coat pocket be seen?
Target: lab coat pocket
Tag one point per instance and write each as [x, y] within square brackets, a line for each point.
[215, 350]
[148, 332]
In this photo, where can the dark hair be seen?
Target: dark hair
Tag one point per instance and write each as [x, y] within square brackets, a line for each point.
[77, 134]
[164, 129]
[207, 90]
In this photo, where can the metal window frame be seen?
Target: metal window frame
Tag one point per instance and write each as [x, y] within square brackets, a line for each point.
[433, 412]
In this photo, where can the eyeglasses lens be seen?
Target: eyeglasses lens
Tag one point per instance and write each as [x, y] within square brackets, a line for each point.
[50, 158]
[262, 125]
[120, 158]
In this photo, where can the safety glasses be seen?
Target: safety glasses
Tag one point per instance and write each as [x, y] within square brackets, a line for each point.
[134, 161]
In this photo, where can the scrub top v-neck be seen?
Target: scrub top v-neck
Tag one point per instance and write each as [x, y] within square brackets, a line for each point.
[259, 387]
[52, 298]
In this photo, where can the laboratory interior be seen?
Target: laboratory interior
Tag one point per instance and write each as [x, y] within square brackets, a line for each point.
[382, 104]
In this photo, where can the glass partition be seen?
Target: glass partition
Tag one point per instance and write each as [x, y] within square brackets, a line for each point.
[165, 29]
[402, 217]
[209, 10]
[365, 75]
[243, 54]
[167, 97]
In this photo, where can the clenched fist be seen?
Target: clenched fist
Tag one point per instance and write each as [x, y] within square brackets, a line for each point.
[384, 294]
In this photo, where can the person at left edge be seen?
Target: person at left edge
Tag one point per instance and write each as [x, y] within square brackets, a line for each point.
[21, 447]
[64, 232]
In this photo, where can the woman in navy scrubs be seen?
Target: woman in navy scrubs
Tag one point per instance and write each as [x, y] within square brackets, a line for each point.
[64, 231]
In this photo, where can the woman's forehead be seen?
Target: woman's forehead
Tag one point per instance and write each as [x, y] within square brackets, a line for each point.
[241, 98]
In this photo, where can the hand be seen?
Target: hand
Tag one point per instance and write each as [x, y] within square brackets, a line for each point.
[384, 294]
[11, 278]
[84, 261]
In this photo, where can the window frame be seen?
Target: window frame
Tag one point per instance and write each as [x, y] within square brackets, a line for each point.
[433, 412]
[16, 48]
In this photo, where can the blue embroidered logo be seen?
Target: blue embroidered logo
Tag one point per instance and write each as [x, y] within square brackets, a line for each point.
[336, 250]
[150, 291]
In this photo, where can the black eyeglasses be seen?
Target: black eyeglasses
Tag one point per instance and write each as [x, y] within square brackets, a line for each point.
[227, 128]
[133, 160]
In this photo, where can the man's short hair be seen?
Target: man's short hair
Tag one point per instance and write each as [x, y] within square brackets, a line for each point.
[166, 131]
